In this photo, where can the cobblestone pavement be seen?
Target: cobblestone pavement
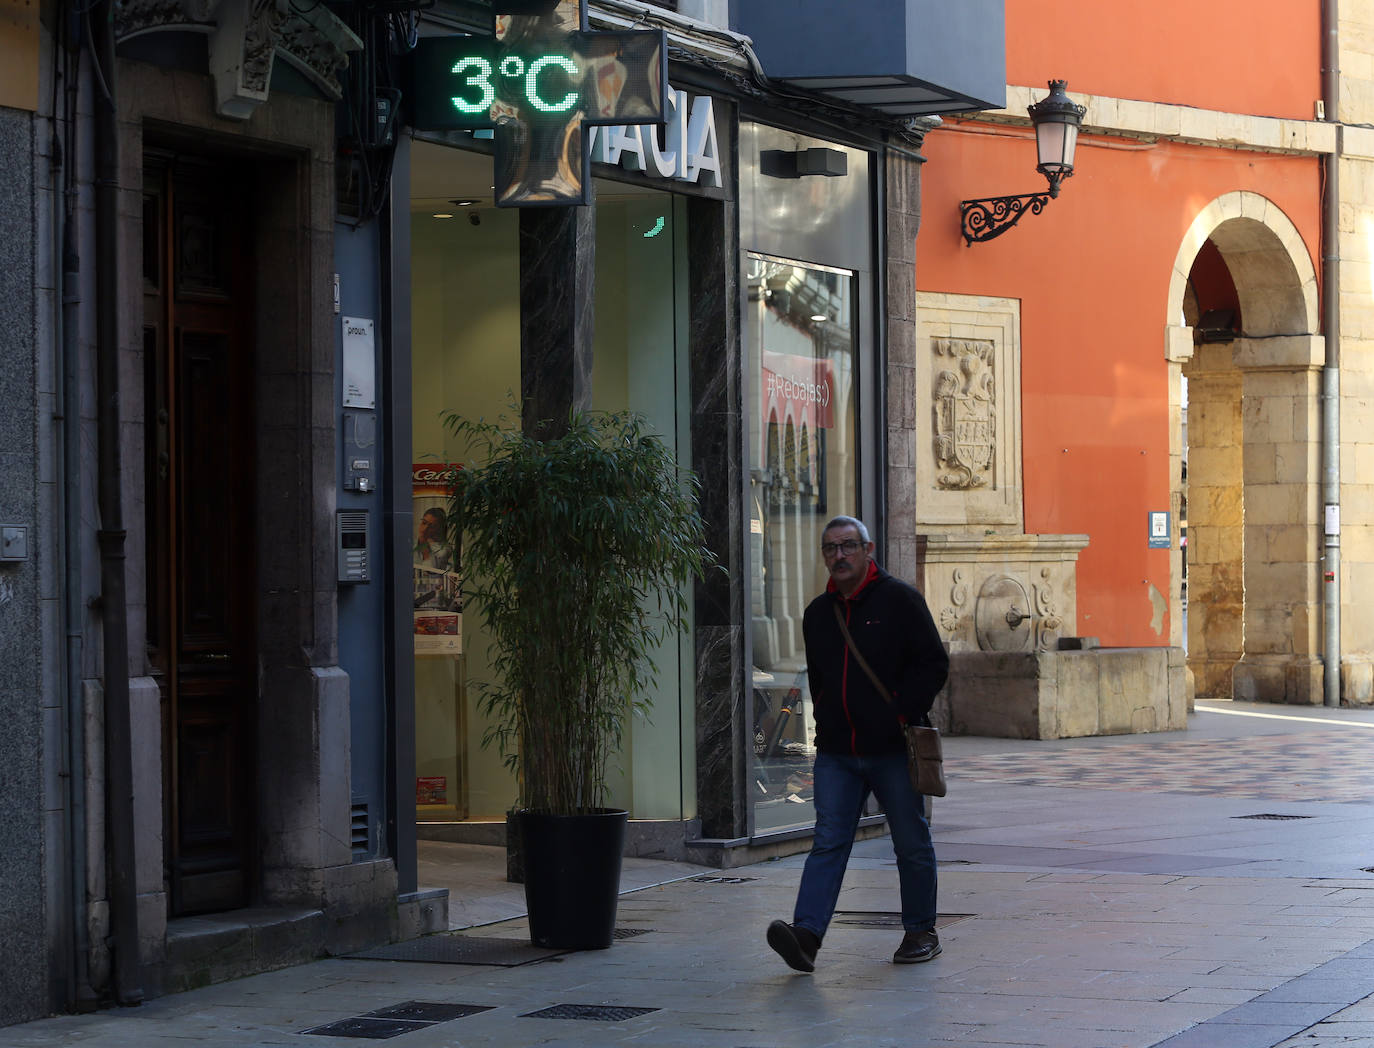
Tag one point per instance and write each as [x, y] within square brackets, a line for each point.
[1207, 889]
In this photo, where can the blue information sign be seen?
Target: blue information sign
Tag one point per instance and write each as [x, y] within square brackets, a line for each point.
[1160, 532]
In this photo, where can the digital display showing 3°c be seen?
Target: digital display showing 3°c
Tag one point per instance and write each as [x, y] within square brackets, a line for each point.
[461, 82]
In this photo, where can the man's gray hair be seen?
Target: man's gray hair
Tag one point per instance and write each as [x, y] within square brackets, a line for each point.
[848, 522]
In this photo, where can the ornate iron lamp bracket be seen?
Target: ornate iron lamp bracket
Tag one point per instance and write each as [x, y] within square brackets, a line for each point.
[990, 217]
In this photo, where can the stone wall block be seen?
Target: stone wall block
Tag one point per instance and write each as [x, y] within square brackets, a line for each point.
[1260, 466]
[1357, 682]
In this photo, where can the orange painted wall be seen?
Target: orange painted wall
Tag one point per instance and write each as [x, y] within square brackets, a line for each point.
[1238, 56]
[1092, 275]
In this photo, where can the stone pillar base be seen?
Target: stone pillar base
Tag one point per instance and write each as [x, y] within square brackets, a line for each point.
[1289, 679]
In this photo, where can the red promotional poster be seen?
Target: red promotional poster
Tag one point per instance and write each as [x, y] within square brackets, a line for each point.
[431, 789]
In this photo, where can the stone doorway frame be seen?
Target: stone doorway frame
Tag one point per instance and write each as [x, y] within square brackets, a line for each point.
[1254, 412]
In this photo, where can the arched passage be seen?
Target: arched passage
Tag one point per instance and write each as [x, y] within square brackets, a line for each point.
[1252, 423]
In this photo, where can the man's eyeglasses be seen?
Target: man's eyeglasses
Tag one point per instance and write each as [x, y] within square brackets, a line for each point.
[831, 549]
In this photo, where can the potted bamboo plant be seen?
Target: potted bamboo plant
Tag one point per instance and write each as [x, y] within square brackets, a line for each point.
[576, 549]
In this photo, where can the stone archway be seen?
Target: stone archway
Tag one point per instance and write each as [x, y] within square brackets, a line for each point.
[1253, 419]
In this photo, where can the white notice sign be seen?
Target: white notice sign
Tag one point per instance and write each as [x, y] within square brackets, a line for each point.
[359, 364]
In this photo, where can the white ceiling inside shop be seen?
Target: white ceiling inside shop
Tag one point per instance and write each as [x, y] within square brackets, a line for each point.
[440, 174]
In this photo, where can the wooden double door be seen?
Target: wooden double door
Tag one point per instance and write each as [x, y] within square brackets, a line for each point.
[201, 523]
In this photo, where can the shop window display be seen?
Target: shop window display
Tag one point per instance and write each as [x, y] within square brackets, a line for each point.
[803, 467]
[466, 359]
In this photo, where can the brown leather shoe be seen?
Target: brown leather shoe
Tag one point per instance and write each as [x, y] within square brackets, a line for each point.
[917, 947]
[796, 946]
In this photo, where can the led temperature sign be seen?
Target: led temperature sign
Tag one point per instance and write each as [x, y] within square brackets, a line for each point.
[477, 94]
[540, 81]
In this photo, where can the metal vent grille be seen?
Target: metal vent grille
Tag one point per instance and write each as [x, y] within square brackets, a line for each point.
[360, 831]
[723, 880]
[606, 1013]
[1271, 816]
[630, 933]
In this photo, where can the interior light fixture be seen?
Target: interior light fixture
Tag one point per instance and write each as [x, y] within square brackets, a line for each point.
[819, 318]
[1056, 119]
[442, 214]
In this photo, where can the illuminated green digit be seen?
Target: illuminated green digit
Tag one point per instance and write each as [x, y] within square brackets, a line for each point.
[482, 81]
[532, 84]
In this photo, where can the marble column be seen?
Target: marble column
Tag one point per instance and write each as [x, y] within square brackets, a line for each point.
[557, 270]
[718, 459]
[903, 220]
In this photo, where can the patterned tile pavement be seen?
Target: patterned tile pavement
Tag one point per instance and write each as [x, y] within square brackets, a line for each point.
[1313, 766]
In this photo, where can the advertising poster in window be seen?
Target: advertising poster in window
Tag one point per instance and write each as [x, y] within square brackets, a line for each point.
[435, 563]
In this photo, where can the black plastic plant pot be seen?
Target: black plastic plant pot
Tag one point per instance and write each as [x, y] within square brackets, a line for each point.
[572, 877]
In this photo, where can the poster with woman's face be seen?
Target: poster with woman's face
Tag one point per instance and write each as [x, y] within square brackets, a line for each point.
[435, 564]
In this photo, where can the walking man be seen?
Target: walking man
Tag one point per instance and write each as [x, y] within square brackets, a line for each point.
[860, 748]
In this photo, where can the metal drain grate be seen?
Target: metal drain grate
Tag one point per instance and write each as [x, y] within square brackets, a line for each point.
[606, 1013]
[448, 948]
[1269, 815]
[870, 920]
[723, 880]
[427, 1011]
[889, 919]
[372, 1029]
[630, 933]
[398, 1019]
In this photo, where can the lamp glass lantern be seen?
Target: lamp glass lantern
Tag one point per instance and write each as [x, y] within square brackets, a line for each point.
[1056, 119]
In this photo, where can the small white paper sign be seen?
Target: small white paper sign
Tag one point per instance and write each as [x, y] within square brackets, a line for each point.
[359, 364]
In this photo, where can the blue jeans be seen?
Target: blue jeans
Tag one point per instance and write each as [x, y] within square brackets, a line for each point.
[842, 784]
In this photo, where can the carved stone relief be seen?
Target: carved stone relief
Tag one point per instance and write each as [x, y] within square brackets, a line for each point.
[1002, 617]
[966, 460]
[246, 36]
[965, 412]
[1048, 624]
[1001, 593]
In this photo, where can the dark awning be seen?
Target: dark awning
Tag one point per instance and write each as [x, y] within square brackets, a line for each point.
[901, 57]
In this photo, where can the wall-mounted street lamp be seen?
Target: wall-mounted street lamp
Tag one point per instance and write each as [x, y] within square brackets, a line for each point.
[1056, 121]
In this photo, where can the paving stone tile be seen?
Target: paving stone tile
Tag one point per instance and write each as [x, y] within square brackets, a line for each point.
[1210, 1036]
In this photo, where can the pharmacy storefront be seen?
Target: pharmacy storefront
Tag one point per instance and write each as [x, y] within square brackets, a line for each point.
[727, 259]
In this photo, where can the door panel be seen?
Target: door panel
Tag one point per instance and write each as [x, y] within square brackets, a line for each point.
[202, 563]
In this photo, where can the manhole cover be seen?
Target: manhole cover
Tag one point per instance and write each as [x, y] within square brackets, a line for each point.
[1269, 815]
[630, 933]
[608, 1013]
[459, 949]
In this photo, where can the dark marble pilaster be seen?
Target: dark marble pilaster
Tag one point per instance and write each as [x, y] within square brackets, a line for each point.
[718, 458]
[903, 216]
[557, 267]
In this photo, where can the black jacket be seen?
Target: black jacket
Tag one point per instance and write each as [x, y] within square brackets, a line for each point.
[892, 627]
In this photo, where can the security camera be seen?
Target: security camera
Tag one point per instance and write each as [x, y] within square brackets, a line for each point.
[475, 217]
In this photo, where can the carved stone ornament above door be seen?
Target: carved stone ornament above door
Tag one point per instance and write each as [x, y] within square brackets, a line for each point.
[246, 36]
